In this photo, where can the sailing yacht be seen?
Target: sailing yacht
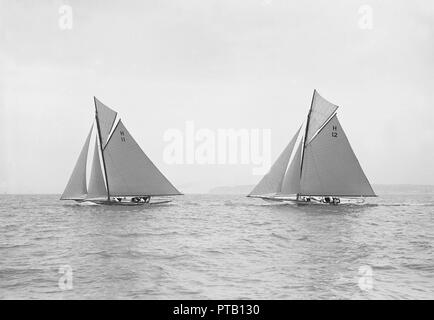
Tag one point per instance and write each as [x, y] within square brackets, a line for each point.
[121, 173]
[318, 166]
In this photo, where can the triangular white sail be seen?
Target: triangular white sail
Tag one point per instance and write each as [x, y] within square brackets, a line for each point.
[97, 188]
[330, 167]
[106, 117]
[321, 111]
[130, 171]
[76, 188]
[291, 181]
[271, 183]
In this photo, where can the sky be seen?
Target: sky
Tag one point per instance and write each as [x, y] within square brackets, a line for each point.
[228, 64]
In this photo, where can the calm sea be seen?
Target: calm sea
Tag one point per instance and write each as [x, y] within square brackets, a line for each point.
[217, 247]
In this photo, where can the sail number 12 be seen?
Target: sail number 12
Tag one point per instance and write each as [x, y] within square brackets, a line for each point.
[335, 132]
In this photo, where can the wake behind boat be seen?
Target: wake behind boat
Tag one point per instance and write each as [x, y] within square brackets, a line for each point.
[121, 173]
[323, 169]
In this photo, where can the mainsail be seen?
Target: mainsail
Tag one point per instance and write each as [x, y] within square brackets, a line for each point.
[76, 188]
[331, 168]
[130, 171]
[324, 163]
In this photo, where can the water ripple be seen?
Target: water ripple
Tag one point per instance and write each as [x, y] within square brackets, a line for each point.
[217, 247]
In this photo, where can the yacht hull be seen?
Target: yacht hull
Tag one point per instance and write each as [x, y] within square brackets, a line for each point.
[312, 201]
[127, 204]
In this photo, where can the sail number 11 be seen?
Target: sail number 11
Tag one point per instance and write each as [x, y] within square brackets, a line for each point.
[122, 136]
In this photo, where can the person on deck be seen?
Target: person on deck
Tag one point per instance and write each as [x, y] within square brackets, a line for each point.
[145, 199]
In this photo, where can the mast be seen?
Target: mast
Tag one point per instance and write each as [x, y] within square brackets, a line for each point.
[101, 148]
[305, 135]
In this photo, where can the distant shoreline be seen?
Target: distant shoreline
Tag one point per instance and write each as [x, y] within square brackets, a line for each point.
[378, 188]
[245, 189]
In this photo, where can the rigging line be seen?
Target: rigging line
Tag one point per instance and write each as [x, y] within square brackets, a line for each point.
[305, 134]
[101, 148]
[322, 127]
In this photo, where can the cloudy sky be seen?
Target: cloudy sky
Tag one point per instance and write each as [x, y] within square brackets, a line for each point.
[222, 64]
